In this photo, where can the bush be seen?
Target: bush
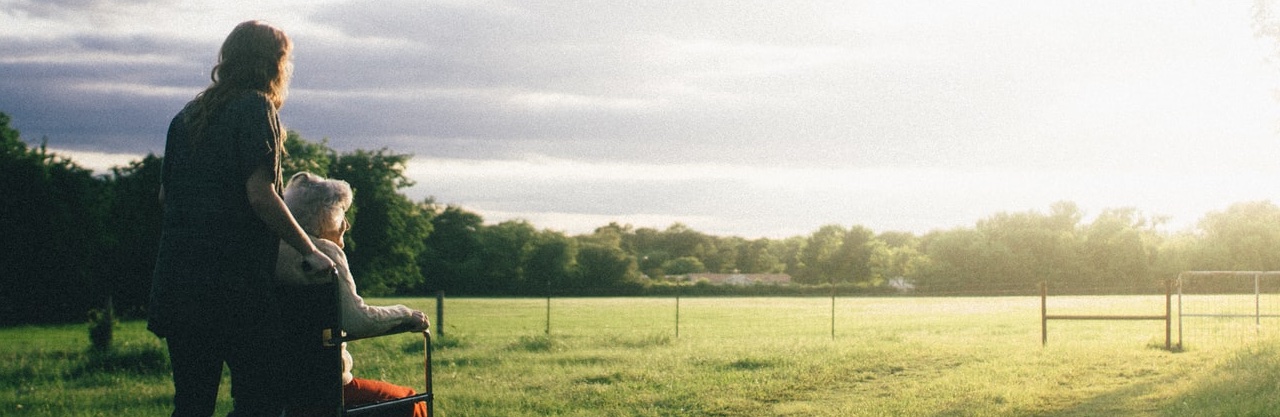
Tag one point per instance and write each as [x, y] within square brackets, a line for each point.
[102, 324]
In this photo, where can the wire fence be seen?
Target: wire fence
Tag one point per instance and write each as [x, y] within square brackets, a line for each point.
[1195, 311]
[838, 313]
[1228, 307]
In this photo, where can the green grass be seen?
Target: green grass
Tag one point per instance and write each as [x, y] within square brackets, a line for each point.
[733, 357]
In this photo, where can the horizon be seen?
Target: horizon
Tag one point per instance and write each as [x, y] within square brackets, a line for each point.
[100, 164]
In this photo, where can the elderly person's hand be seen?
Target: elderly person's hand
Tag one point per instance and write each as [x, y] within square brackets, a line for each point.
[419, 321]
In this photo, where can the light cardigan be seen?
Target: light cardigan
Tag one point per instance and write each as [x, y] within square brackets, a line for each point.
[358, 319]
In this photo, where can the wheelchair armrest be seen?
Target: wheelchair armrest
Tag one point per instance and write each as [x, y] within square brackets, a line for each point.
[401, 328]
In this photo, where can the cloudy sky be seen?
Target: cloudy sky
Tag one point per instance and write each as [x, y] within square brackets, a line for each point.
[734, 117]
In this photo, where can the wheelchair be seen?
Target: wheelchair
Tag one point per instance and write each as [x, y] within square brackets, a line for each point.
[313, 338]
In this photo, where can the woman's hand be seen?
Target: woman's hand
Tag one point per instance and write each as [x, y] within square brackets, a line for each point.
[317, 262]
[419, 321]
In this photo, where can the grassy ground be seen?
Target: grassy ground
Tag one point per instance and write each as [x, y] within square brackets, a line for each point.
[732, 357]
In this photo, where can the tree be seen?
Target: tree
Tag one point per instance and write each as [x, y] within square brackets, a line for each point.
[889, 262]
[1119, 249]
[303, 156]
[72, 238]
[789, 254]
[603, 266]
[651, 250]
[897, 255]
[819, 259]
[898, 239]
[11, 146]
[684, 265]
[550, 259]
[54, 239]
[962, 261]
[1033, 247]
[1246, 236]
[681, 240]
[610, 235]
[504, 248]
[450, 258]
[387, 229]
[133, 229]
[853, 260]
[757, 256]
[721, 254]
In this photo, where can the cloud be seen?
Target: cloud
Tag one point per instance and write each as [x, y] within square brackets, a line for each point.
[71, 9]
[577, 78]
[899, 114]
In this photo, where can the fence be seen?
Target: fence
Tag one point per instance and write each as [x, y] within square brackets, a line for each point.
[1222, 305]
[1166, 317]
[1212, 307]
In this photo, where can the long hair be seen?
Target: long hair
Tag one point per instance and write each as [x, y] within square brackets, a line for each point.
[254, 57]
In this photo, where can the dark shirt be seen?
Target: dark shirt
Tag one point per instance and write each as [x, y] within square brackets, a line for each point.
[216, 262]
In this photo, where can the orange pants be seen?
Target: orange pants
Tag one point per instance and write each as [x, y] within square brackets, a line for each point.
[365, 391]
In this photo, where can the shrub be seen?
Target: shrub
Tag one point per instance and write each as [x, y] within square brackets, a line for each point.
[102, 324]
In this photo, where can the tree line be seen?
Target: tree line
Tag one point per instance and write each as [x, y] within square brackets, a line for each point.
[71, 238]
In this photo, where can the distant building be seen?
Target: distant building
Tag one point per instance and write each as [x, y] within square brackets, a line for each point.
[740, 279]
[902, 284]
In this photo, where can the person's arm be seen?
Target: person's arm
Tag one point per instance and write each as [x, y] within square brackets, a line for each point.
[270, 208]
[358, 318]
[362, 320]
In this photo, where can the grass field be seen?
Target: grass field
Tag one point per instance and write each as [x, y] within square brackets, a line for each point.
[732, 357]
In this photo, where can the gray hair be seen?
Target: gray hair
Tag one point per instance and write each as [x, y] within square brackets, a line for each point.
[319, 204]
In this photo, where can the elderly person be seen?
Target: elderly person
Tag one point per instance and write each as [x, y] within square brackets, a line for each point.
[320, 207]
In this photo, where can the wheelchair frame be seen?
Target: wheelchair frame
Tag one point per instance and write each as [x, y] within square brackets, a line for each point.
[313, 338]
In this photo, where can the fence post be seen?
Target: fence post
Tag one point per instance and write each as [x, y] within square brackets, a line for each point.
[1180, 311]
[1257, 303]
[548, 307]
[1044, 317]
[678, 312]
[440, 313]
[1168, 315]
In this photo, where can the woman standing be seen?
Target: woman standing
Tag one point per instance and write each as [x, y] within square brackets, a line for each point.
[211, 297]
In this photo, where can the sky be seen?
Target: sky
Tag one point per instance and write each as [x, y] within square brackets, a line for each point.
[735, 118]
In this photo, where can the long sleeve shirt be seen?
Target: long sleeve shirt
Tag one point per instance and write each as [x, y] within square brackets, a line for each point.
[358, 318]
